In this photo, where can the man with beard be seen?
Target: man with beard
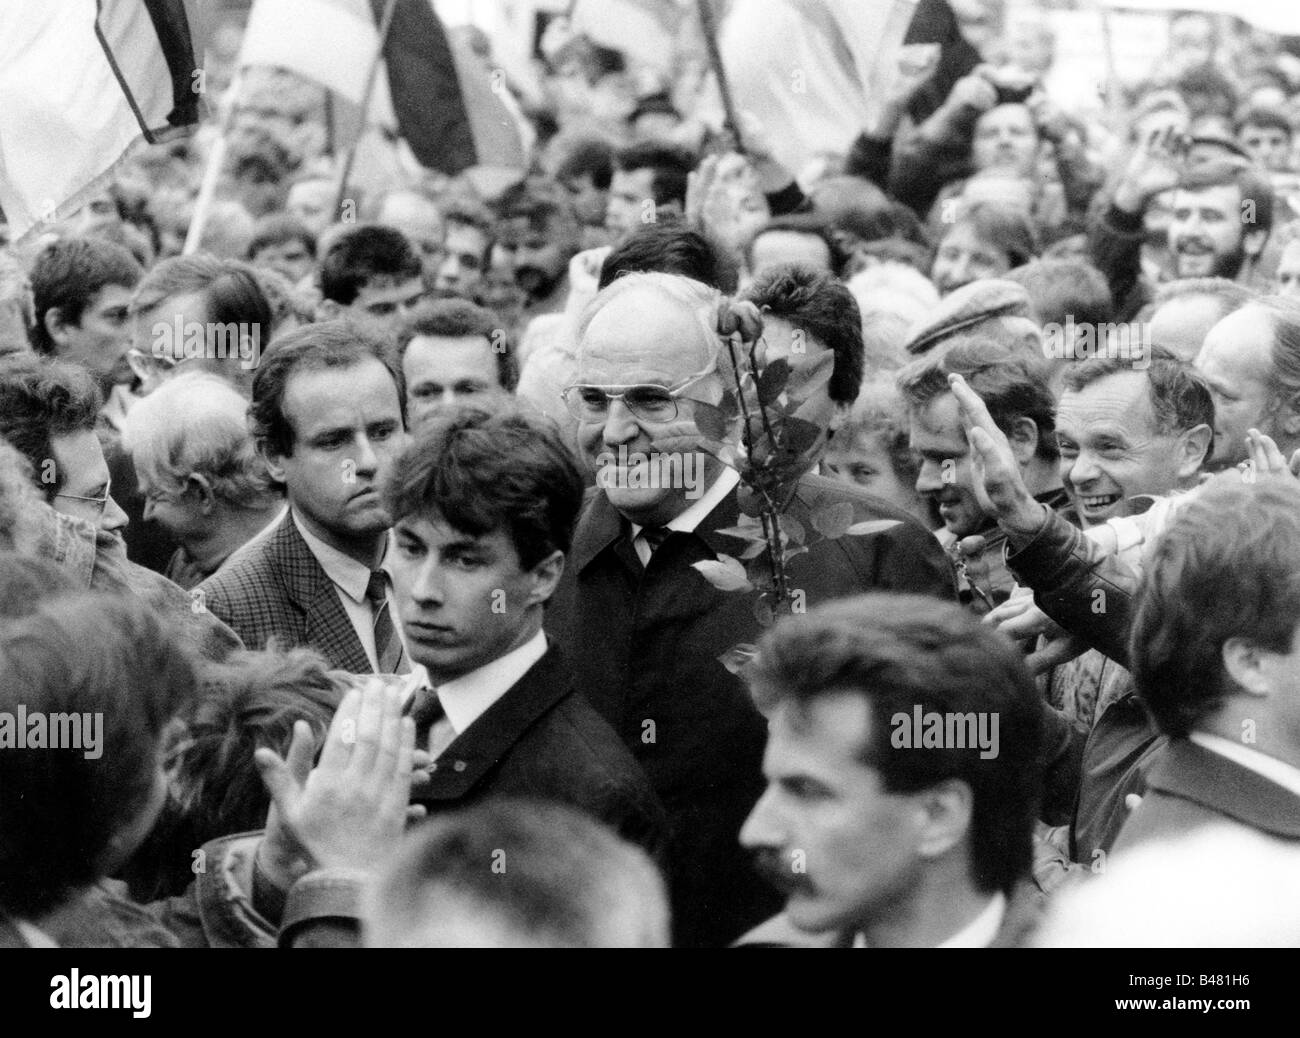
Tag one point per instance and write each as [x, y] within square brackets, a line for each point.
[887, 821]
[1251, 360]
[328, 417]
[544, 232]
[1221, 217]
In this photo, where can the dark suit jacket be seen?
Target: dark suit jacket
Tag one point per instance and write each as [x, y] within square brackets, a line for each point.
[1189, 787]
[542, 739]
[276, 588]
[645, 650]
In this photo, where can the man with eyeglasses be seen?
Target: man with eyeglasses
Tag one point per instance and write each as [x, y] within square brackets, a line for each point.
[644, 630]
[48, 412]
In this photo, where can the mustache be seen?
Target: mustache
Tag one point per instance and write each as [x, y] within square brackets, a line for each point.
[774, 867]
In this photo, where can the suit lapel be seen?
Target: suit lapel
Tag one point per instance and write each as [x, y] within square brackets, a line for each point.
[492, 736]
[311, 590]
[1194, 773]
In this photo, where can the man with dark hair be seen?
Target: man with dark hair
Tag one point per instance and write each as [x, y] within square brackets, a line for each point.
[198, 310]
[904, 775]
[670, 247]
[328, 418]
[466, 252]
[647, 357]
[1183, 312]
[574, 884]
[371, 273]
[585, 170]
[1221, 215]
[649, 182]
[483, 507]
[1016, 390]
[1214, 650]
[283, 242]
[541, 230]
[82, 288]
[805, 313]
[1125, 431]
[1251, 361]
[48, 412]
[453, 351]
[1265, 135]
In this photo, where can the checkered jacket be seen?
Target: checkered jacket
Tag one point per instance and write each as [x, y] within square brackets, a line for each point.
[275, 588]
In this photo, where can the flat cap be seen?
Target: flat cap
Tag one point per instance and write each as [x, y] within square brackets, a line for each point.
[963, 309]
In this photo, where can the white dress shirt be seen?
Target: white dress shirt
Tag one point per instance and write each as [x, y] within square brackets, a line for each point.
[978, 933]
[350, 579]
[1285, 775]
[694, 515]
[468, 697]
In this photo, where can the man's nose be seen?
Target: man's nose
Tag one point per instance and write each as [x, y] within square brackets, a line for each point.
[1084, 470]
[367, 460]
[761, 828]
[150, 507]
[113, 518]
[427, 585]
[621, 425]
[930, 479]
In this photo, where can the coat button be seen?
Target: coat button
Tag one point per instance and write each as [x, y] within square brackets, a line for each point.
[459, 765]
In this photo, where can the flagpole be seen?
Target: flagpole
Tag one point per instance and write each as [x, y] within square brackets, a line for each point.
[212, 171]
[385, 24]
[710, 23]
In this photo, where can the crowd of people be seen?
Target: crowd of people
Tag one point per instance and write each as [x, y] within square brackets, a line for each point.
[346, 598]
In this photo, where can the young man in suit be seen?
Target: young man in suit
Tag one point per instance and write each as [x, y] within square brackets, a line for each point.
[904, 771]
[329, 419]
[644, 629]
[1215, 650]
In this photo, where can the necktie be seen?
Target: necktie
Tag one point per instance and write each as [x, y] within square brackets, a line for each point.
[426, 711]
[388, 646]
[654, 537]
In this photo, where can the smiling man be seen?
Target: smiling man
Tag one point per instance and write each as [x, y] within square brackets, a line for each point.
[1124, 432]
[643, 628]
[876, 839]
[328, 418]
[484, 506]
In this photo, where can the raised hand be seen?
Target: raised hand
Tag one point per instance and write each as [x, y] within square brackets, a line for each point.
[1155, 166]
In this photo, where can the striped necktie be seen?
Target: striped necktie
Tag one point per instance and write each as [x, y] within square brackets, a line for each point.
[388, 646]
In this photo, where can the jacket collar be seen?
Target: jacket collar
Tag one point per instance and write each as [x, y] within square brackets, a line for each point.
[1194, 773]
[492, 736]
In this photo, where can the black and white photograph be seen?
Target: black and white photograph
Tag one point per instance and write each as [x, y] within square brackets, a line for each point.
[652, 474]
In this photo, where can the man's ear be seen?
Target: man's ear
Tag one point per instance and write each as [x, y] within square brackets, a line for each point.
[1024, 440]
[274, 462]
[1196, 441]
[328, 310]
[55, 326]
[201, 487]
[948, 807]
[1253, 242]
[545, 578]
[1245, 663]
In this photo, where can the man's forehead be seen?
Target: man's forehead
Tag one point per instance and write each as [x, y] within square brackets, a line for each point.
[354, 396]
[81, 458]
[1215, 196]
[1241, 342]
[1122, 399]
[437, 354]
[385, 286]
[939, 418]
[824, 736]
[641, 336]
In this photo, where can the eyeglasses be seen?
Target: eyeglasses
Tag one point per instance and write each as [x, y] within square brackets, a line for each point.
[648, 402]
[100, 503]
[150, 366]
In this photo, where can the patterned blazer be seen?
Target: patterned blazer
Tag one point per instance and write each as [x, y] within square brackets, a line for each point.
[275, 588]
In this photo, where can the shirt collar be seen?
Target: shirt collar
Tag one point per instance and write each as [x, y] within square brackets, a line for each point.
[702, 505]
[1285, 775]
[978, 933]
[468, 697]
[350, 576]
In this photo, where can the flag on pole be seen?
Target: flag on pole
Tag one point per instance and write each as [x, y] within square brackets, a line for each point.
[814, 71]
[452, 109]
[80, 83]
